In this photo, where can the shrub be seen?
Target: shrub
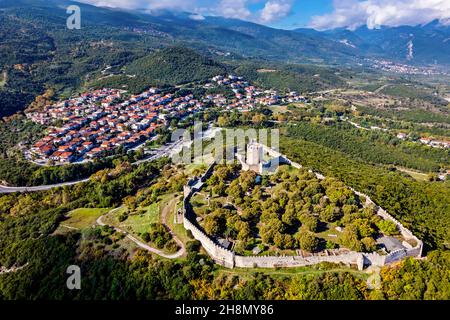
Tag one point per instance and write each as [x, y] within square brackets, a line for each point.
[387, 227]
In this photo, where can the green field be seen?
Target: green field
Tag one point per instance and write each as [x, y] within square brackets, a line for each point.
[83, 217]
[178, 229]
[418, 176]
[139, 223]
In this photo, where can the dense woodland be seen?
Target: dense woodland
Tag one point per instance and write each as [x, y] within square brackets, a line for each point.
[423, 207]
[414, 115]
[288, 211]
[374, 147]
[26, 239]
[290, 77]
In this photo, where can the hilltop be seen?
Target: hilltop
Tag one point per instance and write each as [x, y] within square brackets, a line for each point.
[176, 65]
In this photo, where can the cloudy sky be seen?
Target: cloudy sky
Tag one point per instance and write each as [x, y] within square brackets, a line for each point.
[319, 14]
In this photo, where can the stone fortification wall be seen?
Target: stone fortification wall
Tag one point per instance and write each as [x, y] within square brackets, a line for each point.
[219, 254]
[229, 259]
[350, 258]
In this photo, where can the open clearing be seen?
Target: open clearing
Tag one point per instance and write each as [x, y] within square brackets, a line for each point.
[419, 176]
[178, 229]
[136, 223]
[83, 217]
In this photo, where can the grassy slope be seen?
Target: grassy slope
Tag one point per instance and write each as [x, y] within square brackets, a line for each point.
[83, 217]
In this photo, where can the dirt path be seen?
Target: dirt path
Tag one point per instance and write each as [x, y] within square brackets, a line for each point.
[142, 245]
[171, 205]
[4, 270]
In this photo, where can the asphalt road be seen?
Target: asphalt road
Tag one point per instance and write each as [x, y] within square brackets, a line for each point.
[159, 153]
[167, 150]
[5, 189]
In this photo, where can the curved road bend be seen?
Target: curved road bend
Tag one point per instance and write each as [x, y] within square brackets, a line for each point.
[159, 154]
[142, 245]
[5, 189]
[167, 150]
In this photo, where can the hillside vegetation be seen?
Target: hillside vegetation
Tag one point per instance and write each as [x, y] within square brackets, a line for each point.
[422, 207]
[373, 147]
[291, 77]
[172, 66]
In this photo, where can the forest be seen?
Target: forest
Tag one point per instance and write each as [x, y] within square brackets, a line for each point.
[374, 147]
[290, 210]
[27, 240]
[423, 207]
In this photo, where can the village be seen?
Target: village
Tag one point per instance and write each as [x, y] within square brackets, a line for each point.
[247, 95]
[98, 122]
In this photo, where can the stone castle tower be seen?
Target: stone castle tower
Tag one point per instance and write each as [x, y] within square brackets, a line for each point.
[254, 154]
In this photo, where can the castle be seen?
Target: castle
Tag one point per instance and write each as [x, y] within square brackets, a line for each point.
[254, 160]
[229, 259]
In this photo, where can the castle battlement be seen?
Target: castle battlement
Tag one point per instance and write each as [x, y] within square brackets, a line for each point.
[229, 259]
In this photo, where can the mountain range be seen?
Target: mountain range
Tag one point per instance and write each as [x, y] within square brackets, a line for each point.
[422, 45]
[37, 51]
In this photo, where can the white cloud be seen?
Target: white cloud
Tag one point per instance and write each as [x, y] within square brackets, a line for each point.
[233, 9]
[275, 10]
[375, 13]
[197, 17]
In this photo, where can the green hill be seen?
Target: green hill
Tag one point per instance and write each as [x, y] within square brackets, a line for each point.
[172, 66]
[286, 77]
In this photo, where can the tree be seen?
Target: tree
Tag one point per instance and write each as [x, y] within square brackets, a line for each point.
[235, 190]
[219, 189]
[270, 229]
[214, 224]
[244, 231]
[289, 217]
[223, 121]
[369, 244]
[364, 227]
[309, 222]
[130, 202]
[307, 240]
[330, 213]
[350, 240]
[387, 227]
[257, 193]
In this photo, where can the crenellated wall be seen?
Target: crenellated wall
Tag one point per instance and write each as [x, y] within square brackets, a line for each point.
[219, 254]
[350, 258]
[229, 259]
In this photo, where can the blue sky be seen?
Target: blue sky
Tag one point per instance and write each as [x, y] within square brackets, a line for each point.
[290, 14]
[301, 13]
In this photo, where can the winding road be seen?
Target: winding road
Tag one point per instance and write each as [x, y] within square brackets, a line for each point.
[6, 189]
[168, 150]
[145, 246]
[159, 153]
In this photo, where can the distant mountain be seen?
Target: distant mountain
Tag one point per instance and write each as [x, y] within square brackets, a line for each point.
[419, 45]
[38, 51]
[241, 37]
